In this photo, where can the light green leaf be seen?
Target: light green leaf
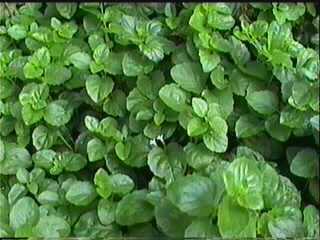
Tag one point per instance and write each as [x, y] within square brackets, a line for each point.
[17, 32]
[196, 127]
[103, 182]
[235, 221]
[244, 183]
[200, 106]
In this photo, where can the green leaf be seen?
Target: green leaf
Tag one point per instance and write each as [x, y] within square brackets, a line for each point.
[101, 53]
[48, 197]
[198, 156]
[115, 104]
[66, 10]
[110, 124]
[285, 222]
[2, 151]
[81, 193]
[216, 139]
[56, 74]
[139, 151]
[224, 98]
[276, 130]
[5, 209]
[113, 63]
[311, 221]
[16, 192]
[170, 219]
[24, 213]
[166, 163]
[248, 126]
[239, 82]
[281, 193]
[67, 30]
[34, 94]
[193, 195]
[58, 113]
[220, 20]
[133, 209]
[209, 60]
[106, 211]
[293, 118]
[41, 57]
[7, 88]
[43, 137]
[80, 60]
[239, 53]
[122, 150]
[200, 107]
[264, 102]
[315, 122]
[308, 63]
[133, 64]
[72, 162]
[305, 163]
[99, 88]
[201, 228]
[173, 97]
[189, 76]
[290, 12]
[218, 79]
[15, 158]
[52, 226]
[121, 184]
[96, 150]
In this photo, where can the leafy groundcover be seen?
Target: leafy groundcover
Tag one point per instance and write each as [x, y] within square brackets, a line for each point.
[154, 120]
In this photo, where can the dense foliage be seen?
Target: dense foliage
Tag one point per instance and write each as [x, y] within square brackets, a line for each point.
[159, 119]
